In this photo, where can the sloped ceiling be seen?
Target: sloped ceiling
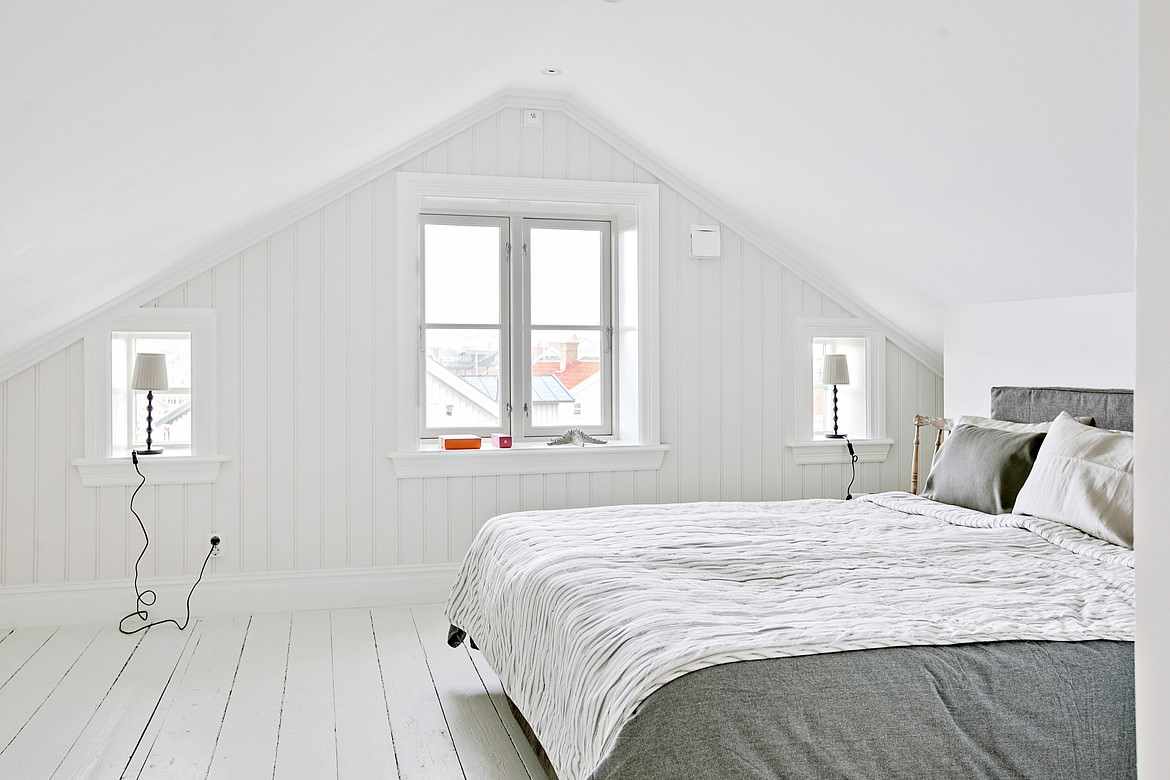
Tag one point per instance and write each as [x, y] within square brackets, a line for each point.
[922, 153]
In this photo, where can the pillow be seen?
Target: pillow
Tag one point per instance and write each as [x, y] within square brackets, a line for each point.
[982, 468]
[1014, 427]
[1083, 477]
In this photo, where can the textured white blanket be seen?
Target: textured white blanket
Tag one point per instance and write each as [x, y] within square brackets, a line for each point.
[586, 612]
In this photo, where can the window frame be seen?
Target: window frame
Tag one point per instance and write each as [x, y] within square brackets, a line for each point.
[131, 393]
[201, 324]
[503, 402]
[809, 329]
[633, 208]
[605, 328]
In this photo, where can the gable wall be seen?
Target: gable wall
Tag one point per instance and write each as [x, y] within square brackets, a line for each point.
[306, 351]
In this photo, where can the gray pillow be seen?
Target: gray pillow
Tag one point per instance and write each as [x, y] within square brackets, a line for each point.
[982, 468]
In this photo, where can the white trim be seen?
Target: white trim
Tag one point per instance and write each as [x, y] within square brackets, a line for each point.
[108, 600]
[824, 451]
[635, 214]
[808, 328]
[529, 459]
[158, 470]
[213, 254]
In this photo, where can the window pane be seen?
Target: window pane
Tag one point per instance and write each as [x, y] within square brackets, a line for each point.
[462, 274]
[171, 426]
[463, 378]
[851, 411]
[567, 378]
[566, 276]
[178, 351]
[172, 419]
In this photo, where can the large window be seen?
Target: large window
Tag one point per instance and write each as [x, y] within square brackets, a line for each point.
[517, 325]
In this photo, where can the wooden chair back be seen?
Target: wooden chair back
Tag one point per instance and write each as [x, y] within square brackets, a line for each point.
[942, 427]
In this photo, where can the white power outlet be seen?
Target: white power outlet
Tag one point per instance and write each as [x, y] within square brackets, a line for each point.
[217, 548]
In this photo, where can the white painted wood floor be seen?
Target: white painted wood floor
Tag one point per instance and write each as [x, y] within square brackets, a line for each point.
[362, 693]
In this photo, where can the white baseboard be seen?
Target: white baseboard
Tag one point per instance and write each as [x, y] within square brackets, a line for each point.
[109, 600]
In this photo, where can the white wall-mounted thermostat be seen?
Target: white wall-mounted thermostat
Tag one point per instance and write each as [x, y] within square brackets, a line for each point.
[704, 241]
[533, 117]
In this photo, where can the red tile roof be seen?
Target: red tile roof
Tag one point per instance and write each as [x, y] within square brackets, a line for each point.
[573, 374]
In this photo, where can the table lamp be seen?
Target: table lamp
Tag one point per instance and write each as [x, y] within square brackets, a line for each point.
[835, 372]
[150, 374]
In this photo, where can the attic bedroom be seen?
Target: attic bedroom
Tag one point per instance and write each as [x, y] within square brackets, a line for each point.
[608, 389]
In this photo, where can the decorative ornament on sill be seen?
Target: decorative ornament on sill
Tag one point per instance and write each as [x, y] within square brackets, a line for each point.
[575, 436]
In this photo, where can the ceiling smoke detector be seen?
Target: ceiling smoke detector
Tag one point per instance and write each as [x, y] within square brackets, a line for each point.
[551, 70]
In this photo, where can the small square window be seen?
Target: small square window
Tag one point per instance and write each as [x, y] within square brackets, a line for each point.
[173, 416]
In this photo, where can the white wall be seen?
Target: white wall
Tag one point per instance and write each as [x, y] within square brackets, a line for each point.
[1152, 422]
[306, 347]
[1086, 341]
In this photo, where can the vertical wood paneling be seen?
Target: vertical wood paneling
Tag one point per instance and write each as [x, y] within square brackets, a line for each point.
[335, 520]
[52, 431]
[228, 487]
[308, 404]
[20, 493]
[282, 390]
[255, 446]
[360, 377]
[307, 398]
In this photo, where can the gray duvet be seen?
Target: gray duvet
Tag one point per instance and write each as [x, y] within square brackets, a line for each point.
[996, 710]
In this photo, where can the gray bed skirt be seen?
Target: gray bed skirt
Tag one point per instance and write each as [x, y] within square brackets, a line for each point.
[994, 710]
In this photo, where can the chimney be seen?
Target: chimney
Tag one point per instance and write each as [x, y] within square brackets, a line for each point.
[569, 353]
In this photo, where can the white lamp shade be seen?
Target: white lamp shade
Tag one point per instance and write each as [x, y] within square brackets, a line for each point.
[150, 371]
[836, 370]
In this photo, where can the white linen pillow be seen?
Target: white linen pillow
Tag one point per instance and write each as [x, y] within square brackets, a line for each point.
[1083, 477]
[1012, 427]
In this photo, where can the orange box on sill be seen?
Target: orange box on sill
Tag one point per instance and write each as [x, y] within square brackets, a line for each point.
[459, 442]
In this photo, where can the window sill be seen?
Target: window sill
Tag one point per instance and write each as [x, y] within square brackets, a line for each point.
[528, 459]
[158, 470]
[826, 451]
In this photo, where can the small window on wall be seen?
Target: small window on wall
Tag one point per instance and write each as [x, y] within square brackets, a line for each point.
[173, 415]
[852, 401]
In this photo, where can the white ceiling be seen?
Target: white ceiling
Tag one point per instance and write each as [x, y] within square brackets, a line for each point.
[922, 152]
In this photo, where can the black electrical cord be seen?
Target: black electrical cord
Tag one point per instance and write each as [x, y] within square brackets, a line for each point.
[853, 466]
[147, 597]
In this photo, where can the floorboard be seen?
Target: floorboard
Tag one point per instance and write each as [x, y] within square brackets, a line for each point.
[246, 746]
[484, 748]
[306, 745]
[18, 647]
[364, 744]
[106, 743]
[353, 693]
[42, 744]
[495, 689]
[186, 737]
[421, 739]
[32, 684]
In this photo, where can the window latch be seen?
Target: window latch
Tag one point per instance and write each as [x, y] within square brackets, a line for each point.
[526, 408]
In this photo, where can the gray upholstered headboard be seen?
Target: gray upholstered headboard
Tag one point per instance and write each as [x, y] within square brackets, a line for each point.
[1111, 409]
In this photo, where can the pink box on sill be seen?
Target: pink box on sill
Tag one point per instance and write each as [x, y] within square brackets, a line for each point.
[501, 441]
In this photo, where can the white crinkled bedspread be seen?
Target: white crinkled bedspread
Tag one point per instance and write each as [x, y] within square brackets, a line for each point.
[586, 612]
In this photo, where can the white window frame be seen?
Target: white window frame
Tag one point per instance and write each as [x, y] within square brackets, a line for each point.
[633, 210]
[522, 378]
[131, 393]
[503, 324]
[104, 466]
[808, 329]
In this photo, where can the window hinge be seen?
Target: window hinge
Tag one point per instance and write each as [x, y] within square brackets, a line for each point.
[507, 251]
[609, 339]
[422, 340]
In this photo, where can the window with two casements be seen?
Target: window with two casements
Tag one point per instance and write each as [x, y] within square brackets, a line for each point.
[517, 325]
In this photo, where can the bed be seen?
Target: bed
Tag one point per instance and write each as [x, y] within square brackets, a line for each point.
[888, 636]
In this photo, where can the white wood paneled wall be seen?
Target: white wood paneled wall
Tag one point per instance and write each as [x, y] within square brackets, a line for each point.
[307, 398]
